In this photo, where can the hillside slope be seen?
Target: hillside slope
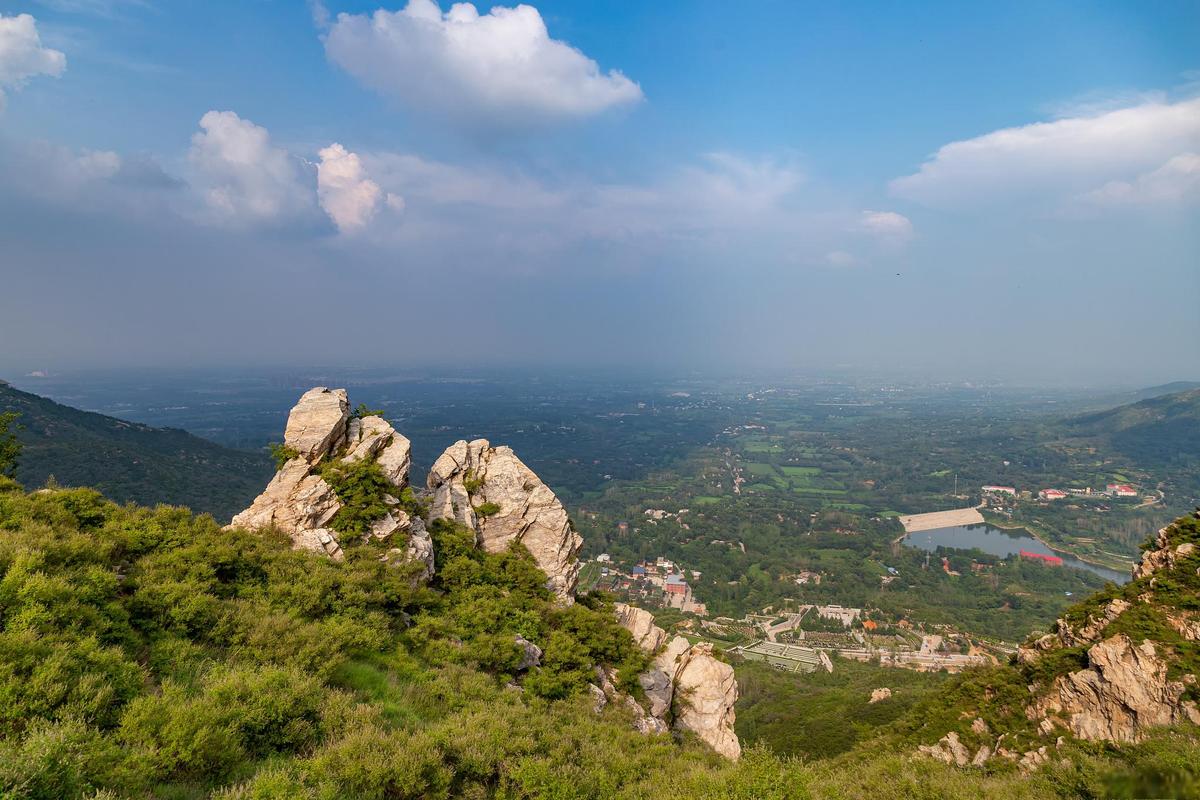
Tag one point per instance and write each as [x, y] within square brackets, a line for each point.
[1118, 667]
[128, 461]
[1166, 427]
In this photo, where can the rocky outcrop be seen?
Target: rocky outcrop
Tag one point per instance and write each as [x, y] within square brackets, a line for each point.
[301, 504]
[705, 693]
[883, 693]
[1123, 692]
[948, 749]
[640, 623]
[685, 683]
[1163, 555]
[317, 423]
[491, 491]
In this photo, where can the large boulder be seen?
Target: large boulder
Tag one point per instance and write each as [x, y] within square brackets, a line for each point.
[491, 491]
[705, 693]
[317, 423]
[640, 623]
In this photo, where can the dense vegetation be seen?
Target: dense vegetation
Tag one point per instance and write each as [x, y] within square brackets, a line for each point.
[128, 461]
[147, 653]
[821, 714]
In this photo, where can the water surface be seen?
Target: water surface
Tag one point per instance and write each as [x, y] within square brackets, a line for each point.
[999, 542]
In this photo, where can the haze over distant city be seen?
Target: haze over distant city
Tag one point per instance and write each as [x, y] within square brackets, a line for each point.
[1004, 191]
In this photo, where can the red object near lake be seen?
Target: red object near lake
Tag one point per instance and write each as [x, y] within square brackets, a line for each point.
[1055, 560]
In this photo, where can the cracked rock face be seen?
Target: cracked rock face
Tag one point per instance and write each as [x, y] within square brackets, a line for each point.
[471, 476]
[317, 423]
[1123, 692]
[705, 693]
[685, 681]
[301, 504]
[640, 623]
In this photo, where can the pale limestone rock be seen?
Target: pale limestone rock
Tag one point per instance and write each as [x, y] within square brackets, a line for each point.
[705, 693]
[366, 437]
[395, 459]
[1123, 692]
[301, 504]
[659, 690]
[532, 656]
[293, 502]
[982, 756]
[640, 623]
[420, 548]
[529, 512]
[948, 749]
[317, 423]
[883, 693]
[979, 727]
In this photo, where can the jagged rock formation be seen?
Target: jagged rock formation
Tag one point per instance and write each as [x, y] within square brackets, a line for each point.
[685, 682]
[1123, 692]
[301, 504]
[1115, 666]
[883, 693]
[640, 623]
[491, 491]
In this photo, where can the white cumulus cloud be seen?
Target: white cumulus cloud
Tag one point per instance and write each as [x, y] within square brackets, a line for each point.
[244, 177]
[886, 225]
[22, 55]
[1173, 182]
[499, 69]
[1053, 162]
[348, 196]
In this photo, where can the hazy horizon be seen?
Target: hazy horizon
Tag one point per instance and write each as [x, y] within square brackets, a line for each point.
[949, 191]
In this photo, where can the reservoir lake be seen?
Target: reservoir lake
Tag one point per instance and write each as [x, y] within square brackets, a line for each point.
[999, 542]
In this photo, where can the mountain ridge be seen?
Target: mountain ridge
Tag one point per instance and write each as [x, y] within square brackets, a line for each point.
[129, 461]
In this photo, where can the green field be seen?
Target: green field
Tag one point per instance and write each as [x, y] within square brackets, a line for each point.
[797, 471]
[762, 447]
[760, 470]
[706, 500]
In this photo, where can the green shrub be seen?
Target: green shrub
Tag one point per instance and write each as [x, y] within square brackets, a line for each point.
[281, 454]
[362, 487]
[487, 509]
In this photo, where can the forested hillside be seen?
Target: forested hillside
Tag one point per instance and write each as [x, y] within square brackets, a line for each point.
[130, 461]
[1166, 427]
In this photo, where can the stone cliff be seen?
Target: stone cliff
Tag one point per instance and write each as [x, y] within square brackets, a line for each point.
[491, 491]
[686, 687]
[302, 504]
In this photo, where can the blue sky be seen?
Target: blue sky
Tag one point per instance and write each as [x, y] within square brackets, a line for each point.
[957, 189]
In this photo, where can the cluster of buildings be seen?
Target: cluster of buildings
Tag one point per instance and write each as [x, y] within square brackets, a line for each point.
[657, 583]
[1110, 490]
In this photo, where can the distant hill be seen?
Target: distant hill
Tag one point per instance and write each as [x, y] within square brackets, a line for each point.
[1162, 427]
[129, 461]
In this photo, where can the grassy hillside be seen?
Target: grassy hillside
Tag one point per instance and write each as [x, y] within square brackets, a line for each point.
[148, 654]
[127, 461]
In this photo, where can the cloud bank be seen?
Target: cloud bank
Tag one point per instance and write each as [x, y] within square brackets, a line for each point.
[497, 70]
[22, 55]
[1052, 162]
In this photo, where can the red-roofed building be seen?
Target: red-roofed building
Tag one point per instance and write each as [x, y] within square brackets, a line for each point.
[1052, 494]
[1121, 490]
